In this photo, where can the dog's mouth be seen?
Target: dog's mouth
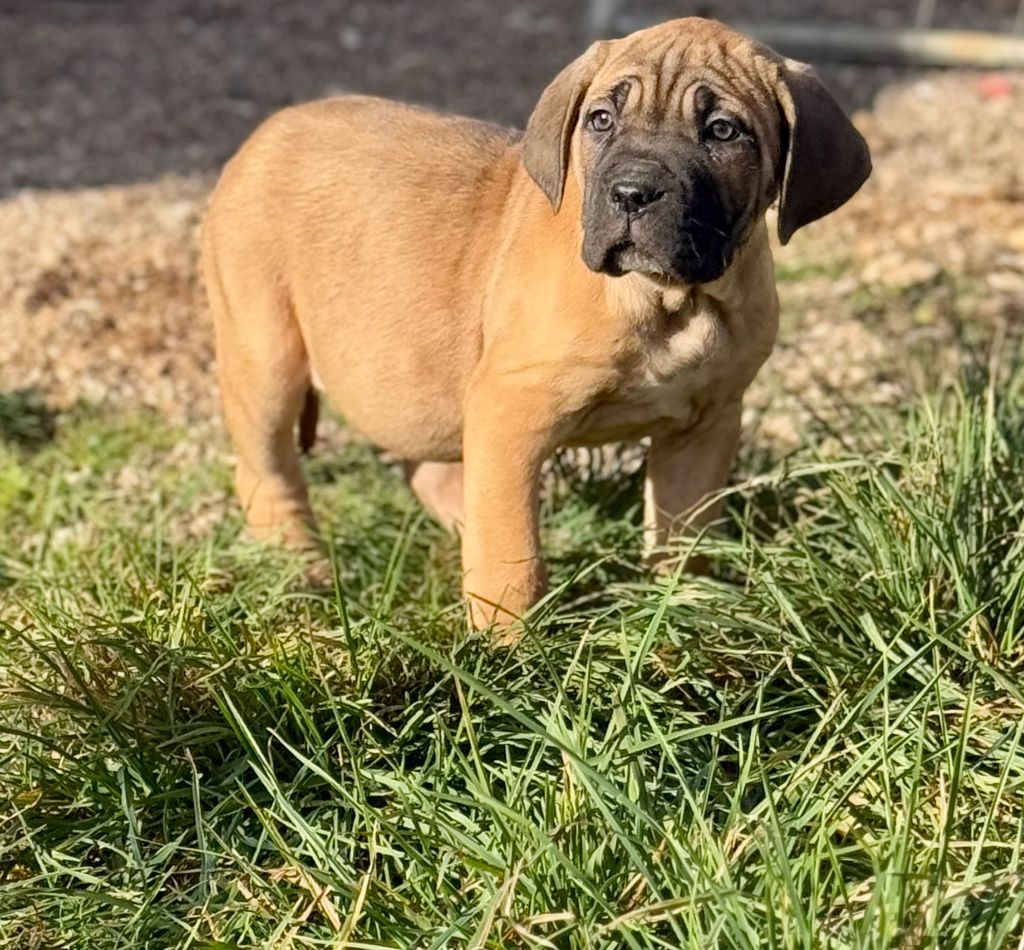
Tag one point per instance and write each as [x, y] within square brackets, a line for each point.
[622, 251]
[624, 257]
[700, 255]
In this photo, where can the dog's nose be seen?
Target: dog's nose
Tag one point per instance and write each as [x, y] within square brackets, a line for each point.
[631, 197]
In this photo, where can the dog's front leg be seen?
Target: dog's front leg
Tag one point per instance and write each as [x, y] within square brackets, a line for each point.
[506, 438]
[682, 470]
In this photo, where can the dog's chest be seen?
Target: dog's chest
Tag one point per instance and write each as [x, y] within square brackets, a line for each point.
[671, 378]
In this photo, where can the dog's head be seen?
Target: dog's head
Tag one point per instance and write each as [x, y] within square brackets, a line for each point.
[680, 137]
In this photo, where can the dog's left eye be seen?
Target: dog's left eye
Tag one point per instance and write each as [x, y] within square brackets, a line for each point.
[722, 130]
[600, 120]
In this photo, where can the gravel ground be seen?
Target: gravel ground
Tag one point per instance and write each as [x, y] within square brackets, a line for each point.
[114, 116]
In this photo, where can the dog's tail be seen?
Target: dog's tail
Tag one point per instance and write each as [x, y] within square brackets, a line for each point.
[308, 419]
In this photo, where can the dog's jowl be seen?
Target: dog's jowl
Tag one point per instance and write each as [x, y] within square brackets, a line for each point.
[470, 297]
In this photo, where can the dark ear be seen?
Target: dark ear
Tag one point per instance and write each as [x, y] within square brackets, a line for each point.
[549, 131]
[826, 161]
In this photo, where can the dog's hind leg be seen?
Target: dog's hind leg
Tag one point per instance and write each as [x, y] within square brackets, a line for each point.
[264, 380]
[438, 485]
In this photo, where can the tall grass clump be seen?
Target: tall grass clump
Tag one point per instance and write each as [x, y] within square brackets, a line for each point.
[820, 746]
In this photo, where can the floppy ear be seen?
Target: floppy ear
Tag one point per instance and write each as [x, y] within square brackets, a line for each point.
[826, 160]
[549, 131]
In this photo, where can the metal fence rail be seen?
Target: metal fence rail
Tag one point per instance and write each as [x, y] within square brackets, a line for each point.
[918, 44]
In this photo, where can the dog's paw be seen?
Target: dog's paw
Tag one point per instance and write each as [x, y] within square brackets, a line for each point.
[514, 593]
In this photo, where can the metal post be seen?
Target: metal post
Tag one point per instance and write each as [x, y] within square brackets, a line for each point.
[600, 15]
[925, 14]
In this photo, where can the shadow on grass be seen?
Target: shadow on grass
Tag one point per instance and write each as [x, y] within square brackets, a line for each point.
[25, 419]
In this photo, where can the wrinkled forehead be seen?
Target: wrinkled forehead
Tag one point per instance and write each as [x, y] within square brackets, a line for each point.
[681, 71]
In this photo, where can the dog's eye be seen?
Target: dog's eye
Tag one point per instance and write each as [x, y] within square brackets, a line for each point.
[722, 130]
[600, 120]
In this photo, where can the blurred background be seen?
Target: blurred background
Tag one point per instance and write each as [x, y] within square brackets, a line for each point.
[102, 91]
[115, 116]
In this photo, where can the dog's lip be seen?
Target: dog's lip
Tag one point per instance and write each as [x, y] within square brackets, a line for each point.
[643, 263]
[609, 265]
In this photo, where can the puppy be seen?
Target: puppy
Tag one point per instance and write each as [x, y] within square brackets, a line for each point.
[471, 297]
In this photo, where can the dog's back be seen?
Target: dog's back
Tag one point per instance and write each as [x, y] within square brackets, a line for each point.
[317, 224]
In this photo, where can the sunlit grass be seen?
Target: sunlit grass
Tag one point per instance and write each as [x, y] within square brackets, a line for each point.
[821, 746]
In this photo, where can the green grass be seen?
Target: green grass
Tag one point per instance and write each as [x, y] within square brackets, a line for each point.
[821, 746]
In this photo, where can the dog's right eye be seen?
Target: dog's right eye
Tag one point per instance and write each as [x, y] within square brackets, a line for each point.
[600, 120]
[722, 130]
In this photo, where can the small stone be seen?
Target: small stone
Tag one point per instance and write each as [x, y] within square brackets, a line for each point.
[1006, 282]
[910, 273]
[1015, 239]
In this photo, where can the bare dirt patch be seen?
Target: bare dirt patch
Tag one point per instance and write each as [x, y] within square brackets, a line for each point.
[100, 299]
